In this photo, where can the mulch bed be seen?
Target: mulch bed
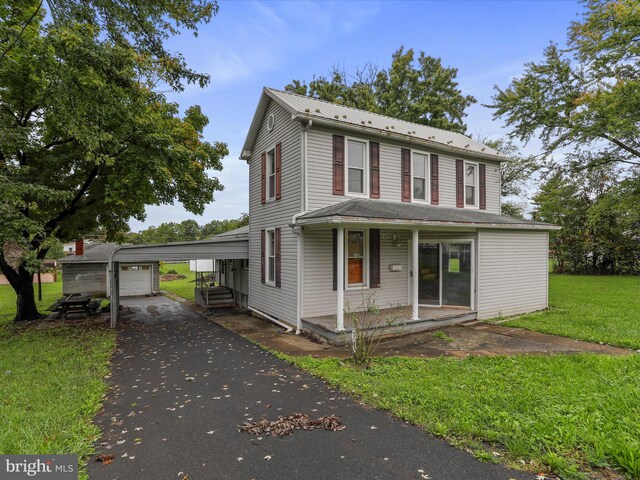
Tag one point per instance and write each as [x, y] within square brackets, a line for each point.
[169, 277]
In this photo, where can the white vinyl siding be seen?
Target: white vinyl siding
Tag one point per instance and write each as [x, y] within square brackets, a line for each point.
[319, 296]
[280, 302]
[512, 272]
[320, 173]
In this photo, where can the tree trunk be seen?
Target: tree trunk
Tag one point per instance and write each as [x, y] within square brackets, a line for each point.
[26, 308]
[22, 283]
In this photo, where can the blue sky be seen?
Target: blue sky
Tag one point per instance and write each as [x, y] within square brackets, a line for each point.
[251, 44]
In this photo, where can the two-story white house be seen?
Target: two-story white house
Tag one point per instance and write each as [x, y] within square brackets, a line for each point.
[349, 207]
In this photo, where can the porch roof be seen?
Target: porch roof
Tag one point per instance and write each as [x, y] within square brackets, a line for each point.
[364, 210]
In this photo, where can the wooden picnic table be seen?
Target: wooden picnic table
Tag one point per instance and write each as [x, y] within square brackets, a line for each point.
[74, 303]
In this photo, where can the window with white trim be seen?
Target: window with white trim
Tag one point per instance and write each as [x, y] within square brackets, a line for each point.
[271, 174]
[271, 257]
[356, 167]
[356, 254]
[471, 184]
[420, 176]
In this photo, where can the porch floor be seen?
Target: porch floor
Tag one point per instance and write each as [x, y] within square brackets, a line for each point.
[397, 321]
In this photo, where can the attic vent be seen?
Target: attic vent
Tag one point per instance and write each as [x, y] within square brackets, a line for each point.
[271, 121]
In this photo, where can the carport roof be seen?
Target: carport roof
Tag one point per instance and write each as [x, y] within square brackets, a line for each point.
[229, 245]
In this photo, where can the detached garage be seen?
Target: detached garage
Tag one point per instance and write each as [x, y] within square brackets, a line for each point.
[87, 272]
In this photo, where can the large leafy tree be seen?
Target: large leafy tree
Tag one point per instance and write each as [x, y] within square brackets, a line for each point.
[418, 89]
[584, 99]
[600, 221]
[87, 139]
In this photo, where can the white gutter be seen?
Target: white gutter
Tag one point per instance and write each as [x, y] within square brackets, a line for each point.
[271, 319]
[410, 138]
[339, 219]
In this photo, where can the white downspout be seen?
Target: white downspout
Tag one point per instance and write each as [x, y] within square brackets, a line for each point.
[271, 319]
[298, 231]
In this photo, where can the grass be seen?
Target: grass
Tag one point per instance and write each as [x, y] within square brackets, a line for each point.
[50, 293]
[51, 382]
[183, 288]
[567, 413]
[590, 308]
[574, 415]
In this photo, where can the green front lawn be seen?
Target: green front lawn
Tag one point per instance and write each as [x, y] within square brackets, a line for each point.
[568, 414]
[51, 381]
[595, 309]
[184, 287]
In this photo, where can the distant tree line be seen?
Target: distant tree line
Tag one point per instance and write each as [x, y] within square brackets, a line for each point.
[184, 231]
[599, 213]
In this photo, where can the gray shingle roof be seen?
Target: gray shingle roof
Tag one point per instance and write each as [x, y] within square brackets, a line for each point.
[360, 209]
[353, 118]
[93, 253]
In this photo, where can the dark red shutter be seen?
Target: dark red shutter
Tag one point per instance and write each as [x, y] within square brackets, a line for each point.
[278, 257]
[335, 258]
[263, 237]
[338, 165]
[263, 181]
[483, 186]
[459, 184]
[406, 174]
[374, 258]
[374, 169]
[278, 171]
[435, 186]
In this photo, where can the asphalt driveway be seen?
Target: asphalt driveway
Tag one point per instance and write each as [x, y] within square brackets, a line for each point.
[182, 384]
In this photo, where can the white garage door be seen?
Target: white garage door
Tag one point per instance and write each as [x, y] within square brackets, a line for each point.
[135, 280]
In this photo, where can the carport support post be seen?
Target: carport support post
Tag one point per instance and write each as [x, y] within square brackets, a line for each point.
[114, 268]
[340, 282]
[415, 239]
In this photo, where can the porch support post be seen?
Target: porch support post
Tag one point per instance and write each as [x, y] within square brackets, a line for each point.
[340, 282]
[415, 314]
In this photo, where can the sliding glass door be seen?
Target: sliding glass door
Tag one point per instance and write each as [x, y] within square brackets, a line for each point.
[445, 275]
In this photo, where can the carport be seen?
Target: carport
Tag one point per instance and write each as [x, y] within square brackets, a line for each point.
[230, 246]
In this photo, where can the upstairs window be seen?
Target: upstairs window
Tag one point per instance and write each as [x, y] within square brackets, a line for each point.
[271, 174]
[470, 184]
[356, 163]
[420, 169]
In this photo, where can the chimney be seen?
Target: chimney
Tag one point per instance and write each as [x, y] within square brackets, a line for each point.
[80, 247]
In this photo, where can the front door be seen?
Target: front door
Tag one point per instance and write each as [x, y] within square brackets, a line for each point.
[445, 273]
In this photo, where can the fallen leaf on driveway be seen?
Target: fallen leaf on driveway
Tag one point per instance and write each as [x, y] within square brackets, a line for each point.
[105, 459]
[285, 425]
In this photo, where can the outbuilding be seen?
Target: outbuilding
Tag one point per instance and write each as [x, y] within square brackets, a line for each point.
[87, 272]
